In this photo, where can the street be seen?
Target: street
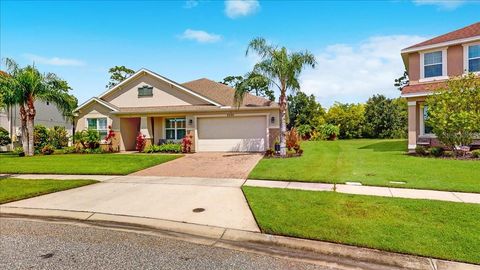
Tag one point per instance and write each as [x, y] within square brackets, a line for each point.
[28, 244]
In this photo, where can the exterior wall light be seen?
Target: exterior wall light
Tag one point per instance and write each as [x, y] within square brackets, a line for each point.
[272, 119]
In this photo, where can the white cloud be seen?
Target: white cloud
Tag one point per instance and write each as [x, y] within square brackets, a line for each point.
[200, 36]
[190, 4]
[53, 61]
[352, 73]
[239, 8]
[443, 4]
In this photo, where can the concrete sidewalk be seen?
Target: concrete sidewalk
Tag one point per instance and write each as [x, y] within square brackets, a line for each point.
[461, 197]
[206, 201]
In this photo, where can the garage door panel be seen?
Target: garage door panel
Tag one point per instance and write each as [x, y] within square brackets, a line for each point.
[235, 134]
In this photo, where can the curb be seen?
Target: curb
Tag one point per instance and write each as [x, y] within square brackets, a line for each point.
[318, 252]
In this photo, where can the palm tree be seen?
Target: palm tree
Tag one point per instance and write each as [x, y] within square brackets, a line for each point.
[23, 86]
[282, 69]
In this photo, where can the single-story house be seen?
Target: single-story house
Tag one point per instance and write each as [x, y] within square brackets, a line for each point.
[164, 110]
[429, 65]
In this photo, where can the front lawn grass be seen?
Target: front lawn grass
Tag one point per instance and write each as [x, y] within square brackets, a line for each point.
[371, 162]
[13, 189]
[437, 229]
[108, 164]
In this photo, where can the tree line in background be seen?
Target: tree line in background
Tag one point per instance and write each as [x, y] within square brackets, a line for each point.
[379, 117]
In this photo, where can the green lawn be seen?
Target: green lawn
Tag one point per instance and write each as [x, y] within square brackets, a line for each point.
[371, 162]
[437, 229]
[110, 164]
[12, 189]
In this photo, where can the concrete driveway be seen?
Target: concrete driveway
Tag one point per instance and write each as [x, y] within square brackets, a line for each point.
[209, 165]
[168, 198]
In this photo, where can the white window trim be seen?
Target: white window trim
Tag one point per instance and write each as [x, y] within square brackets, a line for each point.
[444, 66]
[465, 57]
[422, 124]
[165, 128]
[97, 129]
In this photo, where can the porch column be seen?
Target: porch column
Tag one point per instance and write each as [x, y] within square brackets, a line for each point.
[145, 129]
[412, 126]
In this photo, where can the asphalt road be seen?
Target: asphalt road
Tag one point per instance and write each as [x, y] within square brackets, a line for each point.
[28, 244]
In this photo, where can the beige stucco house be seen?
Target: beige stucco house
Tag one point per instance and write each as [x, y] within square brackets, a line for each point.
[164, 110]
[429, 64]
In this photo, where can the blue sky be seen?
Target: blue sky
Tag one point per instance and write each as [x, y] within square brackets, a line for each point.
[357, 43]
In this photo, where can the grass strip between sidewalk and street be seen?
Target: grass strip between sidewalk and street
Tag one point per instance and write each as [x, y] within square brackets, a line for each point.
[13, 189]
[102, 164]
[444, 230]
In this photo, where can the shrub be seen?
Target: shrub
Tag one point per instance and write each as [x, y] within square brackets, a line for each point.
[305, 131]
[48, 149]
[140, 145]
[187, 144]
[58, 137]
[19, 151]
[4, 137]
[436, 151]
[448, 154]
[169, 147]
[476, 153]
[420, 150]
[40, 137]
[293, 140]
[328, 132]
[70, 150]
[349, 118]
[88, 139]
[270, 152]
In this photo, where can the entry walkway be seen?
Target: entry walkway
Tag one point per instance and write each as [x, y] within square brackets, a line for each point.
[372, 190]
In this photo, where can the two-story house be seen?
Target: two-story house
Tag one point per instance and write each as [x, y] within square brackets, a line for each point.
[429, 64]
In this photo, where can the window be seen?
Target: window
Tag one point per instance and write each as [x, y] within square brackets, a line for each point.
[474, 58]
[175, 128]
[427, 129]
[145, 91]
[98, 124]
[432, 64]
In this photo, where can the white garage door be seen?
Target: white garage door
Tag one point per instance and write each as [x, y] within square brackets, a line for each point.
[231, 134]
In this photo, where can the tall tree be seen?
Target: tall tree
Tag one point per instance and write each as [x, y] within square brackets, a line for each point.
[385, 118]
[26, 85]
[349, 117]
[282, 69]
[304, 110]
[252, 83]
[118, 74]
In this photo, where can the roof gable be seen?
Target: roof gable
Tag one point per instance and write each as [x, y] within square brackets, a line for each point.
[144, 71]
[99, 101]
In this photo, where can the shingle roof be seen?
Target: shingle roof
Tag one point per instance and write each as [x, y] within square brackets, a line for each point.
[466, 32]
[422, 88]
[223, 94]
[178, 109]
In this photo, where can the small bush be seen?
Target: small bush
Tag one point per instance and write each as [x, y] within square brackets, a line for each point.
[140, 145]
[420, 150]
[293, 139]
[328, 132]
[58, 137]
[40, 137]
[187, 144]
[305, 131]
[270, 152]
[449, 154]
[4, 137]
[476, 153]
[19, 151]
[170, 147]
[48, 149]
[69, 150]
[436, 151]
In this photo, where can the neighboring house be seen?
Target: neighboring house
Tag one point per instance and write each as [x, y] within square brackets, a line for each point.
[47, 115]
[164, 110]
[429, 64]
